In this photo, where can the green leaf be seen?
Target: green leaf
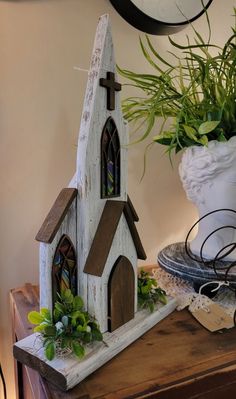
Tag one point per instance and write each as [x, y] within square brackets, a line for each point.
[203, 140]
[147, 56]
[39, 328]
[59, 308]
[45, 313]
[191, 87]
[141, 302]
[165, 138]
[78, 349]
[154, 282]
[162, 298]
[50, 350]
[80, 328]
[96, 335]
[35, 317]
[191, 132]
[151, 306]
[208, 126]
[73, 322]
[56, 314]
[67, 296]
[148, 292]
[50, 330]
[78, 315]
[65, 342]
[93, 325]
[87, 337]
[78, 303]
[221, 137]
[156, 54]
[145, 290]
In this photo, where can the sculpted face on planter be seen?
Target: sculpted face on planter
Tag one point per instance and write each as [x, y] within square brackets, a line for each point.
[208, 175]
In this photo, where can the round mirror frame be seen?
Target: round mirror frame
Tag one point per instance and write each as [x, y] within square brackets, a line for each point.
[137, 18]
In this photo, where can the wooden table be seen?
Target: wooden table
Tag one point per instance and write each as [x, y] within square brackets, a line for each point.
[177, 358]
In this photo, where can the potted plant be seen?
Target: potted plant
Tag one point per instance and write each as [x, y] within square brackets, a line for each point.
[195, 97]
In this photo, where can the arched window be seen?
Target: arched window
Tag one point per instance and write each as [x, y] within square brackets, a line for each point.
[64, 268]
[110, 160]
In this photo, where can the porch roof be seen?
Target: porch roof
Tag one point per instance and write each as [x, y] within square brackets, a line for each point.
[105, 233]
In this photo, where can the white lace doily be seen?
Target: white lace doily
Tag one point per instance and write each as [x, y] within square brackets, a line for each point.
[186, 296]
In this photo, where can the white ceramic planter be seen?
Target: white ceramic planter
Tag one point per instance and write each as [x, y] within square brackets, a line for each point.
[208, 175]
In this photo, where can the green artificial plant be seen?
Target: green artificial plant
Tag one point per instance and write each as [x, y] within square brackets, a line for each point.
[70, 327]
[197, 90]
[148, 292]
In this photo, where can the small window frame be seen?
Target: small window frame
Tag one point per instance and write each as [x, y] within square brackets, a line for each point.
[110, 145]
[56, 279]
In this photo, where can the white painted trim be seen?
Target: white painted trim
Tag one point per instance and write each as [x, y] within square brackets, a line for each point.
[75, 371]
[47, 252]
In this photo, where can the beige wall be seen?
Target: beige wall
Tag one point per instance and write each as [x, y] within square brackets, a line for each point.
[40, 105]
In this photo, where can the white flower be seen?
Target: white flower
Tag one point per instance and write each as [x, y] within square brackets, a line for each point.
[59, 326]
[64, 320]
[88, 329]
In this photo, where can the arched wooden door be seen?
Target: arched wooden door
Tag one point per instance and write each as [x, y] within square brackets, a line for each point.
[121, 291]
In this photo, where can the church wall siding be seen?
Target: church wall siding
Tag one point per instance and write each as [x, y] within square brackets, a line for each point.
[98, 286]
[94, 117]
[46, 255]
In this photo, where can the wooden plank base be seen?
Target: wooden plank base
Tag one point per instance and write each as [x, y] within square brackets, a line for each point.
[65, 373]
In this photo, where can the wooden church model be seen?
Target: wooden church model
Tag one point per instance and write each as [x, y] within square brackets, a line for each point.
[88, 241]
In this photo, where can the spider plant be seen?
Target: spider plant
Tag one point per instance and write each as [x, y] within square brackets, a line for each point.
[196, 91]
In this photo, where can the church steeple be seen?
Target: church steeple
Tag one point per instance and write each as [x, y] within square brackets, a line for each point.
[102, 146]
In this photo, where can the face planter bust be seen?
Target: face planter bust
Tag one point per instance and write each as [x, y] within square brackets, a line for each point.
[208, 175]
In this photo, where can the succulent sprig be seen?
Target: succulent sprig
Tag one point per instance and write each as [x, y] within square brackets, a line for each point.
[70, 326]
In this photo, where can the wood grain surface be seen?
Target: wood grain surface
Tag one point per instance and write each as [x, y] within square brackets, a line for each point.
[176, 359]
[121, 293]
[134, 233]
[102, 242]
[56, 215]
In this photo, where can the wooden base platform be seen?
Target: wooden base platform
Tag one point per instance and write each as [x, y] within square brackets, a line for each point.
[67, 372]
[176, 359]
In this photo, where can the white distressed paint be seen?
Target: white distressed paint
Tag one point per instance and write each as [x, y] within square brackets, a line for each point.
[46, 254]
[98, 287]
[82, 220]
[94, 117]
[87, 180]
[75, 371]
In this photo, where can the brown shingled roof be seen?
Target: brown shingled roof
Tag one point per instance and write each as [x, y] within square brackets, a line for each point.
[56, 215]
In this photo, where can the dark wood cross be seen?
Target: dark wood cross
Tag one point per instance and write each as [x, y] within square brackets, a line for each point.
[112, 86]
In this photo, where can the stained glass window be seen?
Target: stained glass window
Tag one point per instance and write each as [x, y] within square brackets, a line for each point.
[64, 268]
[110, 160]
